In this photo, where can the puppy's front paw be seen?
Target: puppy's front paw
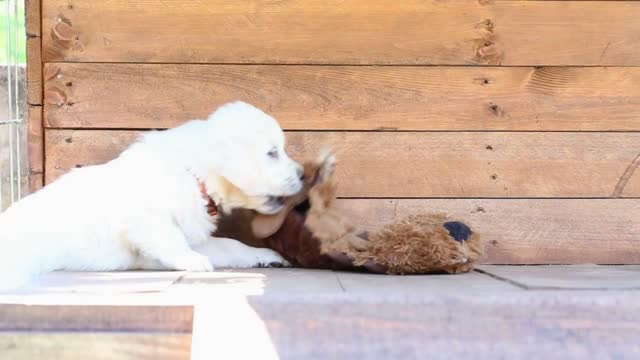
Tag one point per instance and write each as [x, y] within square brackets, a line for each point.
[193, 262]
[270, 258]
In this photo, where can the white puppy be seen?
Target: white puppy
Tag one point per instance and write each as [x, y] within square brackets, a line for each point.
[145, 209]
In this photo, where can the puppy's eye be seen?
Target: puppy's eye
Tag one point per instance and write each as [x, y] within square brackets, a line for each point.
[273, 153]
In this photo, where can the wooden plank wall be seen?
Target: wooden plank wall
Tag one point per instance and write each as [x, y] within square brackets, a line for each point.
[34, 94]
[521, 116]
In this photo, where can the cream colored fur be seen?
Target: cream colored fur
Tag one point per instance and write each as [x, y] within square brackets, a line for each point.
[144, 209]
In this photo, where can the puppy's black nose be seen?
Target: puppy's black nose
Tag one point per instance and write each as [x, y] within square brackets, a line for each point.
[459, 231]
[300, 173]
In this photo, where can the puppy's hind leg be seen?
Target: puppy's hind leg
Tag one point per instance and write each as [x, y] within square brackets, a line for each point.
[224, 252]
[166, 244]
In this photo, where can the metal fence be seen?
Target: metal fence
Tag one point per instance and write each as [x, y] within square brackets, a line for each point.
[13, 127]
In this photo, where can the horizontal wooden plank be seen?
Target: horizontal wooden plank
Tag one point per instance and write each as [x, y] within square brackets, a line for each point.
[528, 231]
[426, 164]
[106, 345]
[62, 146]
[87, 318]
[344, 32]
[347, 97]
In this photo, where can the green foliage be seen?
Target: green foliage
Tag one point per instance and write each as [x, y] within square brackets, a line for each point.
[16, 23]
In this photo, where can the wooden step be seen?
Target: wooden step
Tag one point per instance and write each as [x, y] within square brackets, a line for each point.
[568, 312]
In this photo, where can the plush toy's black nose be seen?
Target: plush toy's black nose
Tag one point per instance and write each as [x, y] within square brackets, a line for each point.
[459, 231]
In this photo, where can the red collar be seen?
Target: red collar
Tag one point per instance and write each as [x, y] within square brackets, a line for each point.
[212, 208]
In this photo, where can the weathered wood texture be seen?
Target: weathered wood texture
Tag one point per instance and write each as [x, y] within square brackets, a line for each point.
[34, 72]
[347, 97]
[32, 18]
[35, 141]
[574, 122]
[34, 94]
[344, 32]
[575, 277]
[517, 231]
[36, 182]
[363, 320]
[94, 345]
[67, 318]
[528, 231]
[34, 59]
[540, 325]
[466, 164]
[290, 282]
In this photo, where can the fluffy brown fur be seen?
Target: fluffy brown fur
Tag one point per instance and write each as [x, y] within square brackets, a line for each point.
[421, 244]
[312, 233]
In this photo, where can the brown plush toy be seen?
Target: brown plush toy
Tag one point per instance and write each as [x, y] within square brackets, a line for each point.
[311, 232]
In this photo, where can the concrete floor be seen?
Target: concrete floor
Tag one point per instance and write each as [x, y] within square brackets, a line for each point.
[563, 312]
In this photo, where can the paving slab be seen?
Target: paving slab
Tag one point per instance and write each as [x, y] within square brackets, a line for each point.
[496, 325]
[420, 285]
[577, 277]
[96, 288]
[306, 314]
[117, 282]
[262, 282]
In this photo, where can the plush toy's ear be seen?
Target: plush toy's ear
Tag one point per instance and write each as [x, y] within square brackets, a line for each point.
[325, 165]
[316, 171]
[264, 226]
[323, 193]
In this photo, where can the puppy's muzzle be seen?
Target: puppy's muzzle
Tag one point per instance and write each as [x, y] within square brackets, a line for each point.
[274, 204]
